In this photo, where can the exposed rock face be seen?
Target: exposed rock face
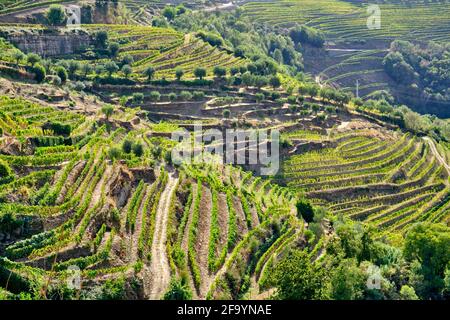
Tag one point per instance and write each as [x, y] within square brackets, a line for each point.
[10, 146]
[120, 186]
[54, 44]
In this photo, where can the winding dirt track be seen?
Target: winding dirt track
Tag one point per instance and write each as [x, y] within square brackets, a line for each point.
[159, 267]
[437, 154]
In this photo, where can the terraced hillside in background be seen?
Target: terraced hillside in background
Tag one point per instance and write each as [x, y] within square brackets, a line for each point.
[413, 20]
[163, 49]
[354, 52]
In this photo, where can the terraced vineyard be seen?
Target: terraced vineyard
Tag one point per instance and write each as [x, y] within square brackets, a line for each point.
[163, 49]
[94, 204]
[418, 20]
[117, 219]
[389, 180]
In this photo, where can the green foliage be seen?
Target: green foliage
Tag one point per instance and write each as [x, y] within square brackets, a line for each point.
[39, 73]
[56, 15]
[5, 169]
[108, 110]
[178, 290]
[127, 146]
[305, 34]
[348, 281]
[200, 73]
[297, 278]
[305, 210]
[429, 244]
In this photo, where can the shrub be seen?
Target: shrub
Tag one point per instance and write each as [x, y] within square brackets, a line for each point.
[305, 210]
[178, 290]
[226, 113]
[138, 149]
[198, 95]
[126, 146]
[39, 73]
[185, 95]
[33, 58]
[114, 153]
[155, 96]
[5, 169]
[138, 97]
[172, 96]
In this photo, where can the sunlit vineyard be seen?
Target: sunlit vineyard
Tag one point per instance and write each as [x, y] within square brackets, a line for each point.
[415, 20]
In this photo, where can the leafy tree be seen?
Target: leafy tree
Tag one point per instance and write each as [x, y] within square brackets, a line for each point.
[180, 9]
[185, 95]
[408, 293]
[33, 58]
[169, 12]
[275, 82]
[39, 73]
[179, 73]
[297, 278]
[126, 69]
[101, 39]
[149, 73]
[111, 67]
[113, 49]
[307, 34]
[18, 56]
[259, 97]
[56, 15]
[219, 71]
[200, 72]
[226, 113]
[348, 281]
[5, 169]
[108, 111]
[99, 69]
[127, 59]
[61, 72]
[74, 66]
[429, 244]
[172, 96]
[87, 69]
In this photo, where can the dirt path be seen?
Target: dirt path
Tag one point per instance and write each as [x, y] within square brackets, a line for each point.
[202, 241]
[159, 268]
[437, 154]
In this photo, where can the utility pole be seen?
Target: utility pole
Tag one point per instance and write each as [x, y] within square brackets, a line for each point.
[357, 88]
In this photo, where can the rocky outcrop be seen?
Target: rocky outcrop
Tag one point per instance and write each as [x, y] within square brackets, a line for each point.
[47, 44]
